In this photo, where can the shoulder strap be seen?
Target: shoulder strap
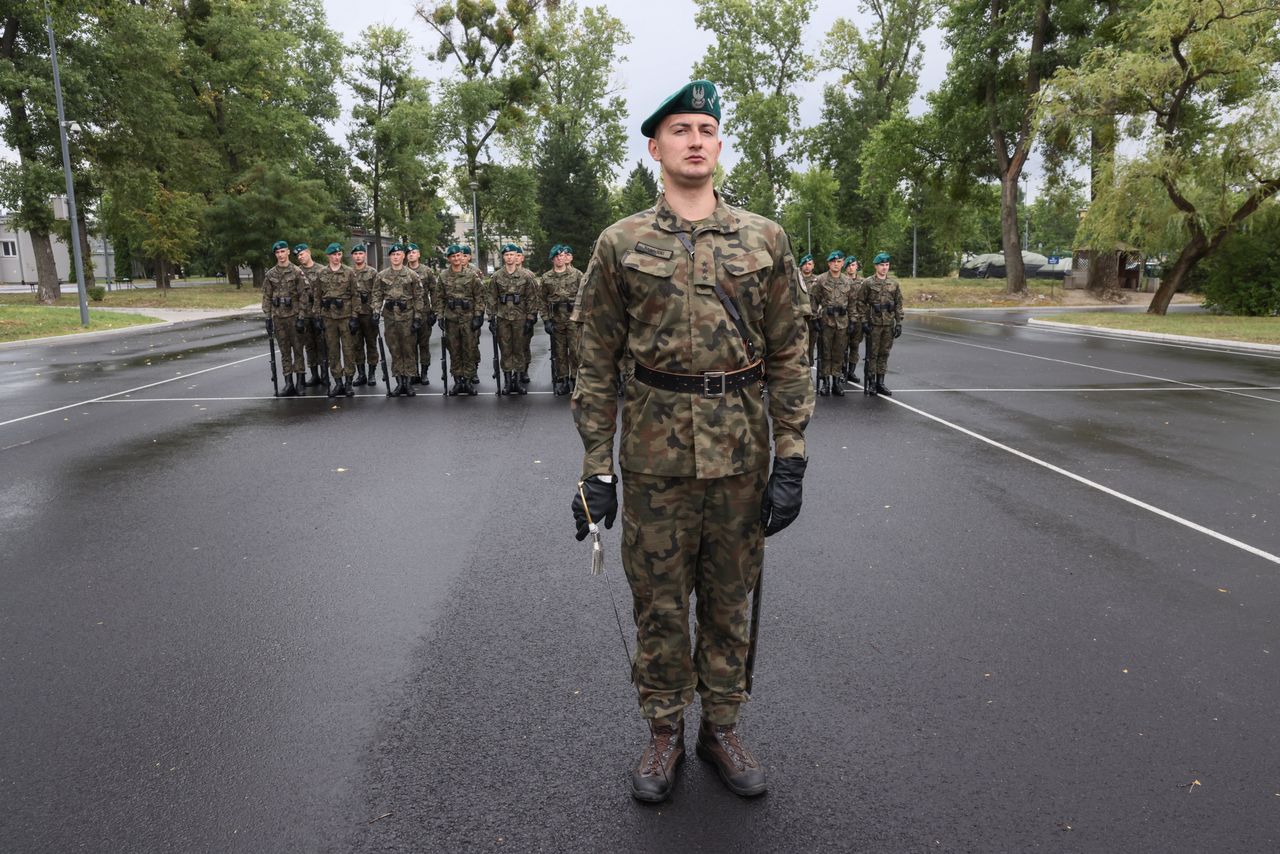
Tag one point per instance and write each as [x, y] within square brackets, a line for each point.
[726, 301]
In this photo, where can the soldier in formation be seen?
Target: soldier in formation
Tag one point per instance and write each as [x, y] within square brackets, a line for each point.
[460, 303]
[878, 310]
[513, 299]
[422, 347]
[283, 289]
[849, 364]
[335, 313]
[559, 292]
[366, 336]
[704, 296]
[833, 306]
[397, 296]
[310, 340]
[805, 306]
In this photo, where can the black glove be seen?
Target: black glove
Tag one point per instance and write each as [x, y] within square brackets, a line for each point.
[442, 324]
[353, 325]
[377, 315]
[781, 503]
[317, 324]
[852, 328]
[866, 328]
[271, 327]
[493, 324]
[416, 325]
[602, 501]
[549, 326]
[299, 324]
[528, 326]
[477, 322]
[431, 318]
[897, 330]
[816, 323]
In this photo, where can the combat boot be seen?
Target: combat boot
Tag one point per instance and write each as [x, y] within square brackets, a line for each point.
[837, 386]
[289, 390]
[655, 775]
[880, 389]
[739, 770]
[522, 383]
[822, 387]
[347, 389]
[315, 377]
[335, 389]
[459, 387]
[361, 378]
[302, 380]
[507, 386]
[399, 389]
[524, 377]
[852, 375]
[416, 379]
[470, 388]
[408, 388]
[426, 380]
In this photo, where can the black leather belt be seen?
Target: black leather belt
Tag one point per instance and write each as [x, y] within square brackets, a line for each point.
[832, 312]
[707, 384]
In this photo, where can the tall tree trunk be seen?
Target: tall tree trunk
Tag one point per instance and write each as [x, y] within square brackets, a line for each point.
[48, 285]
[377, 214]
[1187, 259]
[259, 273]
[162, 273]
[86, 255]
[233, 274]
[1014, 268]
[1104, 264]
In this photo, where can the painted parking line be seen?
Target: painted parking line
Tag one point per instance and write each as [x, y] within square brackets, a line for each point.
[1136, 502]
[1232, 391]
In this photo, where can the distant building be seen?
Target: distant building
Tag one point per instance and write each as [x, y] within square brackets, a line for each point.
[18, 260]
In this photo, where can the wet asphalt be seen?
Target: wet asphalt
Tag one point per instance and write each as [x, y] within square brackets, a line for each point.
[236, 623]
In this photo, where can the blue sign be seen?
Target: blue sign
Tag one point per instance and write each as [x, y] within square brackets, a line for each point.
[1054, 259]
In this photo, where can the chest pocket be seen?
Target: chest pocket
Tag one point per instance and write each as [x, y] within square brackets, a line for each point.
[652, 293]
[746, 280]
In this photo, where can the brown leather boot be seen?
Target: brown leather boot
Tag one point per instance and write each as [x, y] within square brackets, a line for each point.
[720, 746]
[655, 775]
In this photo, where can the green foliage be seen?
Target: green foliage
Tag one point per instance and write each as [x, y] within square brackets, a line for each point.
[271, 204]
[1243, 277]
[637, 194]
[97, 293]
[573, 204]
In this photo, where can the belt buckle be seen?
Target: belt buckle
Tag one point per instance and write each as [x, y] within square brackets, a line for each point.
[708, 389]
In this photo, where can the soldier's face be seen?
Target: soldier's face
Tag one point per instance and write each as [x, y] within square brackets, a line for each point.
[687, 147]
[559, 262]
[358, 258]
[510, 258]
[282, 256]
[882, 269]
[806, 267]
[852, 269]
[414, 255]
[304, 257]
[397, 259]
[456, 260]
[335, 259]
[833, 267]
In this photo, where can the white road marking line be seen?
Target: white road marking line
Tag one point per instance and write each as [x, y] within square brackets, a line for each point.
[178, 378]
[1088, 389]
[1093, 367]
[326, 399]
[1253, 550]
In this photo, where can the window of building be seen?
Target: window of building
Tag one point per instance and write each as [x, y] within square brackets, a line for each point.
[9, 248]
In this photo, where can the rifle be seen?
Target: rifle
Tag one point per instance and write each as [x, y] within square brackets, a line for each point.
[555, 365]
[324, 352]
[382, 352]
[868, 383]
[271, 347]
[497, 361]
[444, 357]
[817, 360]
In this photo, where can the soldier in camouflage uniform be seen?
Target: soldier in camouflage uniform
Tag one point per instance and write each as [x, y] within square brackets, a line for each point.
[704, 297]
[422, 347]
[460, 302]
[366, 337]
[526, 331]
[879, 312]
[807, 278]
[282, 288]
[559, 293]
[833, 306]
[513, 300]
[310, 339]
[336, 308]
[475, 339]
[575, 327]
[397, 294]
[850, 362]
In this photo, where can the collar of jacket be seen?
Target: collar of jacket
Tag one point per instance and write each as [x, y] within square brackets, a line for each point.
[722, 219]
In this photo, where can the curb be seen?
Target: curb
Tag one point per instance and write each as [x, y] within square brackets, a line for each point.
[1167, 337]
[94, 335]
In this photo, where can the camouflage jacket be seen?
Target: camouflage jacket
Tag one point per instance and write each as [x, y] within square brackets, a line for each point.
[336, 293]
[309, 276]
[879, 301]
[365, 277]
[427, 280]
[460, 295]
[282, 291]
[560, 292]
[645, 295]
[394, 288]
[513, 296]
[805, 306]
[834, 299]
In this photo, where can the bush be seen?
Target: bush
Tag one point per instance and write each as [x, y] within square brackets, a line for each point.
[97, 293]
[1243, 276]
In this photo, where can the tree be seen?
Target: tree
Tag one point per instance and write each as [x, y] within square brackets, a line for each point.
[573, 204]
[1198, 80]
[758, 60]
[637, 194]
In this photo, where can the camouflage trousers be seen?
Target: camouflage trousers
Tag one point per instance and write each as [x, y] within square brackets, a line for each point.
[835, 342]
[811, 340]
[365, 341]
[525, 347]
[400, 343]
[881, 344]
[422, 349]
[855, 341]
[289, 346]
[575, 331]
[310, 342]
[683, 535]
[464, 348]
[560, 348]
[511, 344]
[341, 345]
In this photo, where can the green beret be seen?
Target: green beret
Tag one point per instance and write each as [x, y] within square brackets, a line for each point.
[837, 255]
[395, 247]
[452, 249]
[805, 259]
[882, 258]
[278, 245]
[332, 248]
[411, 247]
[850, 260]
[359, 247]
[700, 96]
[566, 248]
[555, 250]
[300, 247]
[464, 249]
[510, 247]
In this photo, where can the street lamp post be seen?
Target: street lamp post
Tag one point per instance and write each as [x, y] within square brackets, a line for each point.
[809, 216]
[66, 169]
[475, 220]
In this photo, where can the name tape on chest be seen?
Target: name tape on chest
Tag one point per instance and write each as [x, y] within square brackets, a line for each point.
[646, 249]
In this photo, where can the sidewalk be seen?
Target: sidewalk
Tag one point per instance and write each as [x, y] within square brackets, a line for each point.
[165, 316]
[1166, 337]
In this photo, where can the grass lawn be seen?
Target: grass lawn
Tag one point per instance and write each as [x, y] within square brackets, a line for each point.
[976, 293]
[220, 296]
[26, 321]
[1259, 330]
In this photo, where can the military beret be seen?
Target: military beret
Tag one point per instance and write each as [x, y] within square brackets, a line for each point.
[332, 248]
[411, 247]
[850, 260]
[452, 249]
[510, 247]
[464, 249]
[279, 244]
[395, 247]
[555, 250]
[837, 255]
[359, 247]
[300, 247]
[699, 96]
[805, 259]
[882, 258]
[565, 247]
